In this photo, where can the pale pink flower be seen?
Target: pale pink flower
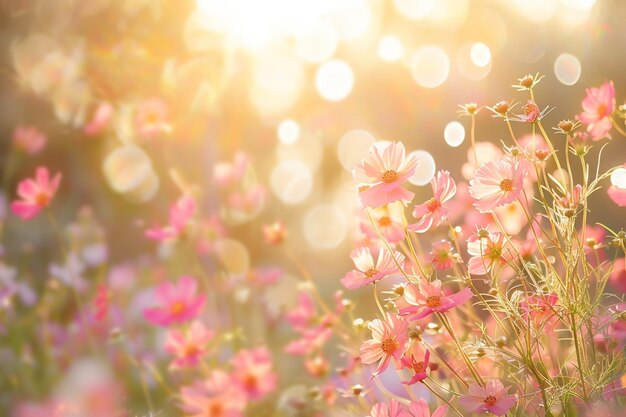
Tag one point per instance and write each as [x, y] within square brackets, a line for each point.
[419, 368]
[217, 396]
[388, 342]
[442, 256]
[178, 302]
[618, 274]
[598, 106]
[427, 297]
[367, 271]
[498, 183]
[434, 211]
[35, 194]
[253, 374]
[512, 217]
[382, 173]
[190, 346]
[571, 200]
[493, 398]
[303, 313]
[531, 112]
[487, 252]
[479, 154]
[274, 233]
[539, 309]
[393, 410]
[100, 119]
[618, 195]
[29, 139]
[227, 173]
[151, 118]
[388, 221]
[420, 408]
[181, 215]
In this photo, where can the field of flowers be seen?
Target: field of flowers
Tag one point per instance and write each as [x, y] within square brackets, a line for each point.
[291, 208]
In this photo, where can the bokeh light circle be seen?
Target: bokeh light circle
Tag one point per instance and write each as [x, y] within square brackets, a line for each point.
[291, 181]
[317, 43]
[415, 9]
[425, 170]
[567, 69]
[334, 80]
[390, 48]
[430, 66]
[618, 178]
[288, 131]
[353, 146]
[454, 134]
[233, 255]
[324, 227]
[480, 54]
[127, 168]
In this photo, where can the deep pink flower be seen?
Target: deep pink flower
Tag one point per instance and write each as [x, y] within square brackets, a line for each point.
[419, 368]
[29, 139]
[441, 255]
[433, 212]
[598, 106]
[487, 252]
[190, 346]
[217, 396]
[388, 342]
[382, 173]
[531, 112]
[420, 408]
[35, 194]
[253, 374]
[393, 410]
[367, 271]
[427, 297]
[181, 214]
[492, 398]
[178, 302]
[498, 183]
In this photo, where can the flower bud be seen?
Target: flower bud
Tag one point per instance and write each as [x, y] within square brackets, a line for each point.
[501, 107]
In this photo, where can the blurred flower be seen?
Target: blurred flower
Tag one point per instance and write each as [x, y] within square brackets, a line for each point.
[617, 195]
[178, 302]
[388, 221]
[598, 106]
[367, 271]
[274, 233]
[188, 347]
[442, 255]
[100, 119]
[227, 174]
[427, 297]
[29, 139]
[181, 214]
[493, 398]
[151, 118]
[253, 374]
[487, 252]
[420, 408]
[217, 396]
[393, 410]
[618, 274]
[388, 342]
[498, 183]
[36, 193]
[531, 112]
[433, 212]
[382, 173]
[539, 309]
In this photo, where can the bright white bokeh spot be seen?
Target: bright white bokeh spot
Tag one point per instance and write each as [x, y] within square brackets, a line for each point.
[579, 4]
[353, 146]
[454, 134]
[467, 63]
[415, 9]
[317, 43]
[324, 227]
[480, 54]
[567, 69]
[430, 66]
[334, 80]
[425, 170]
[618, 178]
[291, 181]
[350, 18]
[390, 48]
[288, 131]
[127, 167]
[277, 84]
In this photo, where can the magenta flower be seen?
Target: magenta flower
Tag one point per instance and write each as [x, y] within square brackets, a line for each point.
[388, 342]
[420, 408]
[367, 271]
[428, 297]
[492, 398]
[598, 106]
[188, 347]
[393, 410]
[253, 374]
[215, 397]
[433, 212]
[419, 368]
[181, 214]
[382, 173]
[36, 193]
[179, 303]
[498, 183]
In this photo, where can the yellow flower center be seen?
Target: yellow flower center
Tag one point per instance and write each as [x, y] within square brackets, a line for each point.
[371, 272]
[433, 301]
[433, 204]
[384, 221]
[506, 185]
[177, 308]
[490, 400]
[389, 345]
[390, 176]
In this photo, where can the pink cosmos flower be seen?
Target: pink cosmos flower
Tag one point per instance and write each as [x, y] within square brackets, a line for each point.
[498, 183]
[215, 397]
[512, 217]
[433, 212]
[227, 173]
[303, 313]
[151, 118]
[179, 302]
[382, 173]
[419, 368]
[388, 221]
[181, 214]
[367, 271]
[36, 193]
[598, 106]
[427, 297]
[393, 410]
[188, 347]
[388, 342]
[618, 195]
[492, 398]
[100, 119]
[618, 274]
[539, 309]
[480, 154]
[531, 112]
[29, 139]
[420, 408]
[253, 374]
[487, 252]
[441, 255]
